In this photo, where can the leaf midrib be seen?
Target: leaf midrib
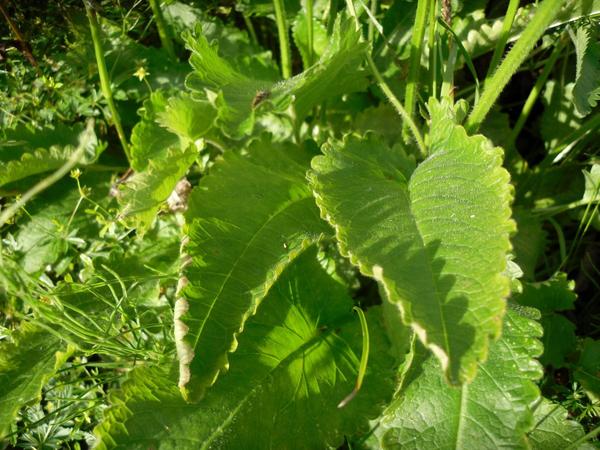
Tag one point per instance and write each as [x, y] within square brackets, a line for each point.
[217, 296]
[313, 340]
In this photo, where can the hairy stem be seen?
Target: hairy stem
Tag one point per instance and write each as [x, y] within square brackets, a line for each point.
[509, 18]
[398, 106]
[284, 41]
[104, 79]
[163, 29]
[546, 12]
[309, 18]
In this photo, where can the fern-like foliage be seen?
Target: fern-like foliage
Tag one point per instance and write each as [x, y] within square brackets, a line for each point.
[586, 92]
[297, 358]
[246, 221]
[422, 233]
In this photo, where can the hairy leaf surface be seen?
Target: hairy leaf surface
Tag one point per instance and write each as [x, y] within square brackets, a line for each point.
[494, 411]
[25, 366]
[297, 358]
[436, 238]
[246, 221]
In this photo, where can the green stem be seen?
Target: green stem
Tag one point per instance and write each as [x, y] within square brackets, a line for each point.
[364, 358]
[371, 32]
[333, 6]
[398, 106]
[416, 49]
[431, 41]
[44, 184]
[309, 17]
[535, 92]
[546, 12]
[250, 27]
[509, 18]
[104, 79]
[163, 29]
[284, 42]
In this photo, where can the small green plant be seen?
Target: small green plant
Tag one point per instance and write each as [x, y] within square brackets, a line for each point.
[342, 225]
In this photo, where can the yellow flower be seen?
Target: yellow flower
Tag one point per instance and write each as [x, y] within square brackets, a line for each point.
[141, 73]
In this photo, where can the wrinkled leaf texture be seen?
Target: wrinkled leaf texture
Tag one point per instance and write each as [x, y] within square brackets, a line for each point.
[297, 358]
[436, 237]
[247, 220]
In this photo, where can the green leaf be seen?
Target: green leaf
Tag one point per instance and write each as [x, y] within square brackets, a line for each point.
[188, 118]
[551, 296]
[297, 358]
[436, 239]
[143, 194]
[237, 85]
[26, 364]
[25, 153]
[586, 92]
[559, 118]
[148, 140]
[246, 221]
[588, 368]
[300, 33]
[529, 242]
[494, 411]
[554, 430]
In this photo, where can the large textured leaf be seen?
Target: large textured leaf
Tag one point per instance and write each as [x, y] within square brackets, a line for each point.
[246, 221]
[554, 430]
[237, 84]
[435, 238]
[494, 411]
[586, 91]
[25, 366]
[25, 153]
[297, 358]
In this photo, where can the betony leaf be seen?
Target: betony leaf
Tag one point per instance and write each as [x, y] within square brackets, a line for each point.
[494, 411]
[241, 88]
[297, 358]
[436, 239]
[246, 221]
[554, 430]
